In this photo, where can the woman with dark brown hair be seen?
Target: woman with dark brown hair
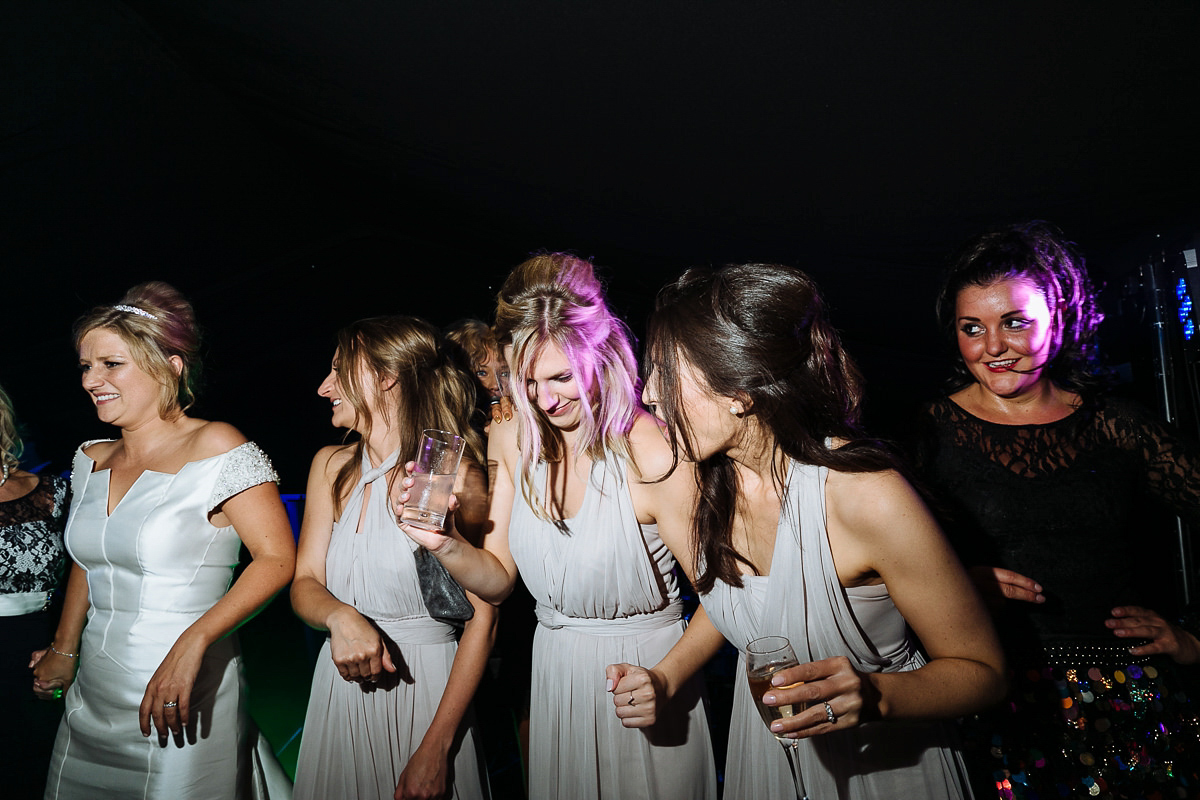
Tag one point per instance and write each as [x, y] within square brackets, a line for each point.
[1044, 481]
[803, 528]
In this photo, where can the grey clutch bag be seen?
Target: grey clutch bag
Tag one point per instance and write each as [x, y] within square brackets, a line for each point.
[444, 598]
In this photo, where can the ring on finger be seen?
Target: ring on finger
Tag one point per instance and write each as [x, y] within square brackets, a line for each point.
[170, 704]
[830, 717]
[631, 699]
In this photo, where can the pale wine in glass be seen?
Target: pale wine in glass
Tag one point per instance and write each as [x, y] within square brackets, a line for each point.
[765, 657]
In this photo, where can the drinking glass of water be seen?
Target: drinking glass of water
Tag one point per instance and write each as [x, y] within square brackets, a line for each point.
[433, 479]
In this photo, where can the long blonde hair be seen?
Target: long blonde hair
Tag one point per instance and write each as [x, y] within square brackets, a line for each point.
[556, 298]
[433, 388]
[10, 439]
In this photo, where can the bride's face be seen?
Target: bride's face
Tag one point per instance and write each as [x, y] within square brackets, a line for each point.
[123, 393]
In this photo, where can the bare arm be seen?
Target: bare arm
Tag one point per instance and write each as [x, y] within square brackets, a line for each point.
[356, 647]
[427, 772]
[258, 517]
[52, 670]
[669, 503]
[879, 529]
[489, 572]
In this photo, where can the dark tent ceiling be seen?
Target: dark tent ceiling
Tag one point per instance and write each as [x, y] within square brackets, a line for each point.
[294, 165]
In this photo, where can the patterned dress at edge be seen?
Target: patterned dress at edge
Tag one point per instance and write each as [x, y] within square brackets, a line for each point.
[31, 566]
[1063, 503]
[605, 594]
[358, 738]
[155, 566]
[803, 600]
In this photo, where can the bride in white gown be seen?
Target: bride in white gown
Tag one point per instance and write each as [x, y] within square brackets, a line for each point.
[157, 519]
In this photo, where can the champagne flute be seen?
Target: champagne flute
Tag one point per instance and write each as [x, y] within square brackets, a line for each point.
[765, 657]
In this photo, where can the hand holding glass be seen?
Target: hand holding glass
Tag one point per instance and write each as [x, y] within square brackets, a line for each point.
[765, 657]
[435, 468]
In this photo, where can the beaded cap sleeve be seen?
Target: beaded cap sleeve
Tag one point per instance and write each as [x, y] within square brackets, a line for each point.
[245, 465]
[1062, 502]
[31, 538]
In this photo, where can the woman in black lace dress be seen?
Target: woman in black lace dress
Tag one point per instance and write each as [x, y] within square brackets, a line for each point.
[1042, 480]
[32, 513]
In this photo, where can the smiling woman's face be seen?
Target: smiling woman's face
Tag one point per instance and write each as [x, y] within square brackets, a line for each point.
[332, 388]
[124, 394]
[553, 387]
[1005, 335]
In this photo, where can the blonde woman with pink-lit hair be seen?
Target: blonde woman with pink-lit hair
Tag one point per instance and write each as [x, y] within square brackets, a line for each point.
[583, 509]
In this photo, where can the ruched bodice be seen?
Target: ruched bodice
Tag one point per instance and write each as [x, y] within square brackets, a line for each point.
[370, 563]
[606, 594]
[606, 565]
[803, 600]
[358, 738]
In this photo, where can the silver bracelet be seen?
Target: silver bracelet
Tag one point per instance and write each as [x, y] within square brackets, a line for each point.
[61, 653]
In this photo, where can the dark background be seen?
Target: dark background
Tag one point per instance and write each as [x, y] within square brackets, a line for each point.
[292, 166]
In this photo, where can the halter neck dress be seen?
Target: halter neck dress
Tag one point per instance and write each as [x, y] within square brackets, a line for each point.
[803, 600]
[605, 593]
[359, 737]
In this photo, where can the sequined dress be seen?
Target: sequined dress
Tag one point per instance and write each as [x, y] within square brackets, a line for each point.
[1063, 503]
[154, 566]
[31, 566]
[605, 594]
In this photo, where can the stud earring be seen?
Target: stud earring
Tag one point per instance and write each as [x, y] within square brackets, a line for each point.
[734, 410]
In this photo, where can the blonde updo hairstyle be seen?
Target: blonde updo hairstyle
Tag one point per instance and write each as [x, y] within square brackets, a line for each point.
[169, 330]
[10, 439]
[556, 298]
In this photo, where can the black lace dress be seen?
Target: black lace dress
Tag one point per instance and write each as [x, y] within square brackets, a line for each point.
[32, 562]
[1062, 503]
